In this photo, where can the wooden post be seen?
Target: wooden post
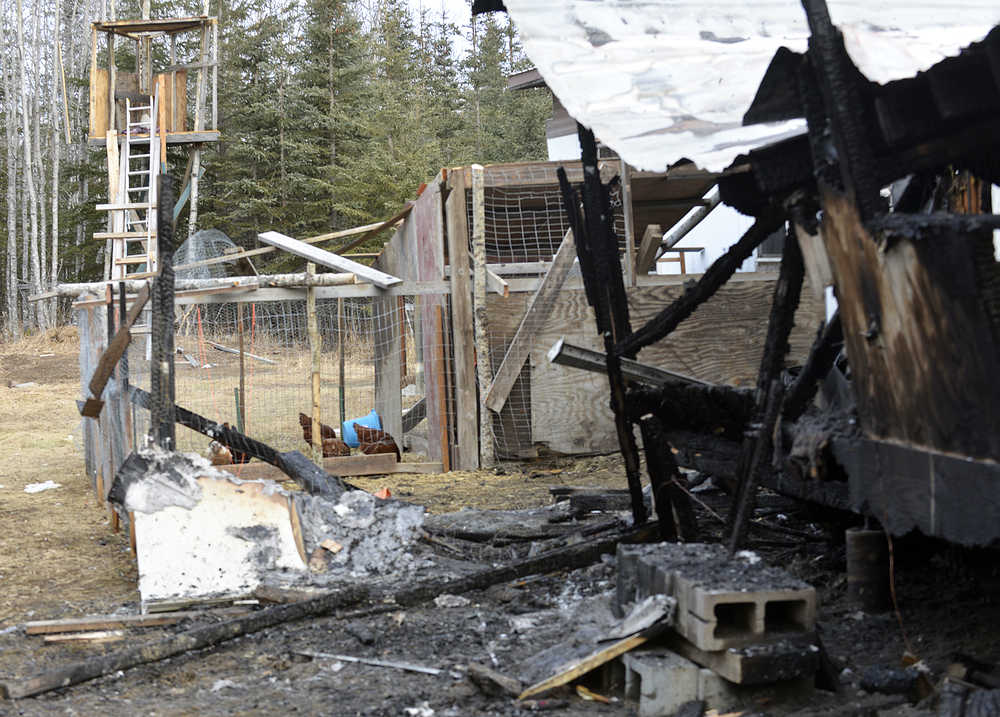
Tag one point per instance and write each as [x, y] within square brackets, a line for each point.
[340, 341]
[462, 327]
[112, 80]
[630, 274]
[485, 369]
[439, 378]
[242, 415]
[388, 375]
[314, 345]
[402, 334]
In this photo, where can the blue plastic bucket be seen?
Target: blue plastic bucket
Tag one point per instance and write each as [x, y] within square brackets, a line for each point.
[370, 421]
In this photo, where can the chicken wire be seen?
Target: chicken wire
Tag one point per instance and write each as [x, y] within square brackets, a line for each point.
[526, 221]
[278, 368]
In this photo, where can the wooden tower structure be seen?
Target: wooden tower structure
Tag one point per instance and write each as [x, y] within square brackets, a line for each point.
[137, 111]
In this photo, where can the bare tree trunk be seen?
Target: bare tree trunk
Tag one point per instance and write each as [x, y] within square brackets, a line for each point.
[29, 179]
[13, 305]
[39, 172]
[56, 122]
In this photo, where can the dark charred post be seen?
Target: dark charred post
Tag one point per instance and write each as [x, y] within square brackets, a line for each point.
[840, 89]
[162, 414]
[670, 498]
[720, 411]
[661, 325]
[605, 276]
[757, 449]
[818, 364]
[597, 250]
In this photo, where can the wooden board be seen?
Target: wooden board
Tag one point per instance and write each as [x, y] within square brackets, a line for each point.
[115, 622]
[98, 102]
[582, 667]
[721, 342]
[328, 259]
[462, 329]
[536, 314]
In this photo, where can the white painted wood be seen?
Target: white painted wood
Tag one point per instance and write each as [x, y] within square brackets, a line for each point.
[328, 259]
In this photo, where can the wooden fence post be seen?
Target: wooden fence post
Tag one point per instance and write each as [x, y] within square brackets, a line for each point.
[487, 458]
[312, 326]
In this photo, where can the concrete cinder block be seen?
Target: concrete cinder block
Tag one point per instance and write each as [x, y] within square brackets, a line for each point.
[660, 681]
[724, 601]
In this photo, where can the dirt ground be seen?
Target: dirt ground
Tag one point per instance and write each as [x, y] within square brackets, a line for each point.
[60, 558]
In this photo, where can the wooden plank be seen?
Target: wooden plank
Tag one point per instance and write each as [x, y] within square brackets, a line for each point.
[645, 259]
[582, 667]
[628, 264]
[328, 259]
[174, 138]
[93, 638]
[462, 327]
[357, 465]
[121, 235]
[438, 379]
[536, 314]
[116, 622]
[125, 206]
[392, 221]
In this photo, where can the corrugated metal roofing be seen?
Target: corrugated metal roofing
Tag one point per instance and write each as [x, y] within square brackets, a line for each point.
[663, 80]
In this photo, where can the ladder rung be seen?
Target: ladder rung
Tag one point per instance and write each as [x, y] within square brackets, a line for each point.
[136, 108]
[138, 172]
[124, 207]
[143, 275]
[120, 235]
[132, 260]
[138, 156]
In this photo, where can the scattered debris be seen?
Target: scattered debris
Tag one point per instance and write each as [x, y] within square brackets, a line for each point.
[408, 667]
[591, 696]
[493, 683]
[451, 601]
[421, 710]
[39, 487]
[110, 622]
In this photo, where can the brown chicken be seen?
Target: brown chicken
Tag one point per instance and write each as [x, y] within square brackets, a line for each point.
[222, 455]
[374, 441]
[332, 446]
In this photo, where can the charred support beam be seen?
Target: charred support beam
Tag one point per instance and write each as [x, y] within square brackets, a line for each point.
[670, 497]
[823, 353]
[718, 274]
[602, 273]
[840, 86]
[293, 463]
[721, 411]
[757, 450]
[161, 383]
[564, 354]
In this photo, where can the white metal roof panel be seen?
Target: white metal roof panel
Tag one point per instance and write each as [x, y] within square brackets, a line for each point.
[662, 80]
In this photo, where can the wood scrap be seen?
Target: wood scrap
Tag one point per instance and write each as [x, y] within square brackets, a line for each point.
[226, 349]
[406, 666]
[94, 638]
[114, 622]
[571, 671]
[490, 682]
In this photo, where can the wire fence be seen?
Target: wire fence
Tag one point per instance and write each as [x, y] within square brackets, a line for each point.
[360, 337]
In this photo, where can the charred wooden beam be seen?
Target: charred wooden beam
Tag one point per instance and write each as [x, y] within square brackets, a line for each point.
[670, 497]
[718, 274]
[757, 449]
[564, 354]
[721, 411]
[292, 463]
[824, 351]
[840, 86]
[600, 265]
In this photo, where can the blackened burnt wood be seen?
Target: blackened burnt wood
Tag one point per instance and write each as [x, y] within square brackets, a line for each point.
[292, 463]
[757, 449]
[722, 411]
[718, 274]
[161, 381]
[571, 202]
[565, 558]
[605, 276]
[670, 498]
[829, 341]
[840, 86]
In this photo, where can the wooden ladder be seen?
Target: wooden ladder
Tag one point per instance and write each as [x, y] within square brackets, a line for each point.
[132, 208]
